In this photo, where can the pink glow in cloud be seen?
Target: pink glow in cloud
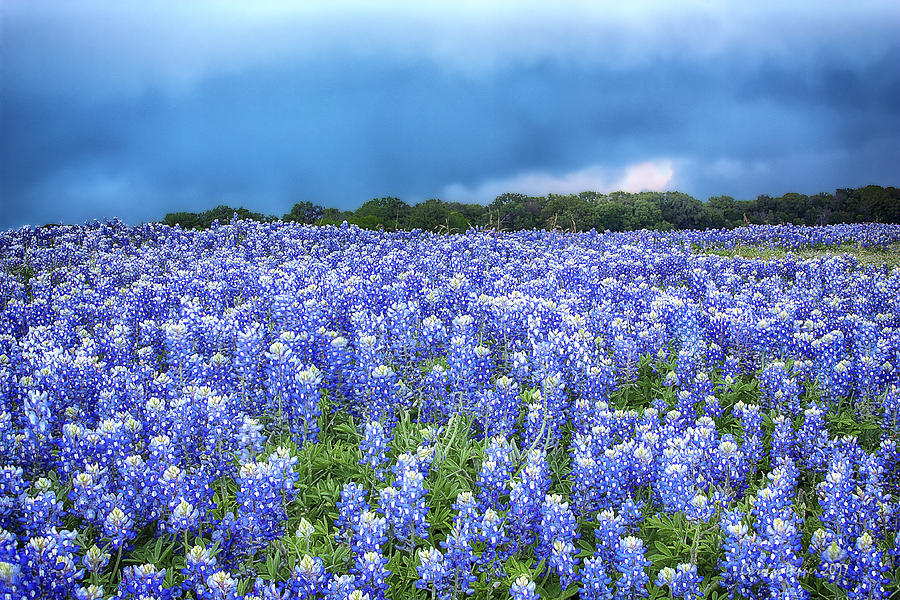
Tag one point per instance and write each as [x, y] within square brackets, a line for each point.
[652, 175]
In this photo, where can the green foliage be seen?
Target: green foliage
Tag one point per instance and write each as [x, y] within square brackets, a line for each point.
[386, 213]
[203, 220]
[305, 212]
[617, 211]
[888, 256]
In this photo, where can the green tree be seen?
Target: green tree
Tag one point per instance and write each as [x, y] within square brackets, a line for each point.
[517, 211]
[390, 213]
[428, 215]
[304, 212]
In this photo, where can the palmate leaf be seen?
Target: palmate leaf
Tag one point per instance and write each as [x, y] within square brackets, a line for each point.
[663, 549]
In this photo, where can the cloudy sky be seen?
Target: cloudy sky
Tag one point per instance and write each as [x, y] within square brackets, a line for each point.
[135, 109]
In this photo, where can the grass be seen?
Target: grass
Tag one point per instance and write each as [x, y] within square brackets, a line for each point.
[887, 256]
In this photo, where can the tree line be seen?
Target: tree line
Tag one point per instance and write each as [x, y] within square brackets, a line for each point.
[617, 211]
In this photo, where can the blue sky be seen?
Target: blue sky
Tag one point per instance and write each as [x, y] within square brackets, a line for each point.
[135, 109]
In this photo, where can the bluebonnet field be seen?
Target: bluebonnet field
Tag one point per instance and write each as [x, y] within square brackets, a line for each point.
[276, 411]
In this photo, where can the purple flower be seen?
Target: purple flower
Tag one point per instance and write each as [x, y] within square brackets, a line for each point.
[523, 589]
[631, 564]
[374, 446]
[433, 572]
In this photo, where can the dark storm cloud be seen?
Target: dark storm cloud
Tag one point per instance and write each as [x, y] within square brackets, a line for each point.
[137, 113]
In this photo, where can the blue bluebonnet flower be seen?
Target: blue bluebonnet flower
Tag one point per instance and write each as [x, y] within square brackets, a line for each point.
[537, 421]
[184, 517]
[526, 496]
[586, 451]
[683, 582]
[711, 407]
[40, 511]
[95, 559]
[751, 422]
[369, 533]
[675, 487]
[729, 465]
[840, 506]
[36, 409]
[433, 333]
[308, 578]
[73, 450]
[500, 407]
[119, 528]
[459, 558]
[221, 585]
[279, 369]
[595, 582]
[562, 560]
[264, 488]
[631, 564]
[887, 462]
[138, 484]
[249, 439]
[779, 389]
[170, 484]
[47, 567]
[90, 592]
[812, 438]
[249, 348]
[371, 568]
[598, 382]
[140, 581]
[12, 486]
[834, 565]
[519, 367]
[868, 569]
[384, 389]
[269, 590]
[780, 539]
[404, 506]
[492, 533]
[435, 395]
[432, 572]
[742, 565]
[304, 406]
[11, 583]
[8, 546]
[351, 505]
[877, 511]
[466, 518]
[493, 478]
[113, 442]
[685, 403]
[523, 589]
[87, 492]
[340, 587]
[783, 444]
[374, 446]
[555, 399]
[890, 407]
[610, 529]
[556, 537]
[199, 565]
[834, 372]
[631, 514]
[700, 508]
